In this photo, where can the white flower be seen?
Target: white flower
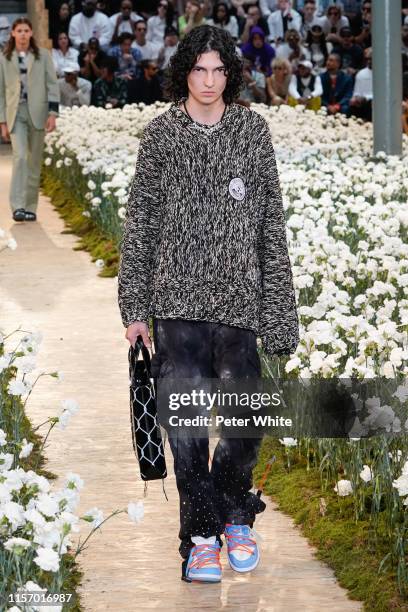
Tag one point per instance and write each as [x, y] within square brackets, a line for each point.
[70, 405]
[26, 450]
[73, 481]
[93, 516]
[14, 513]
[91, 185]
[16, 543]
[47, 504]
[47, 559]
[366, 473]
[17, 387]
[11, 244]
[343, 488]
[99, 263]
[136, 511]
[6, 461]
[122, 212]
[288, 441]
[3, 438]
[48, 161]
[86, 213]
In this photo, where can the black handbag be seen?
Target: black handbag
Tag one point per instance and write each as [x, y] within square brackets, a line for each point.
[146, 436]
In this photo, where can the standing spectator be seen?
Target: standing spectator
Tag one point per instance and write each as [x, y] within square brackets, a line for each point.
[362, 99]
[258, 47]
[90, 23]
[305, 88]
[90, 60]
[333, 22]
[29, 104]
[253, 18]
[74, 91]
[4, 31]
[147, 49]
[292, 50]
[352, 55]
[222, 18]
[193, 16]
[157, 24]
[254, 90]
[128, 58]
[147, 88]
[169, 48]
[63, 53]
[110, 89]
[277, 84]
[60, 21]
[124, 21]
[283, 19]
[337, 87]
[318, 48]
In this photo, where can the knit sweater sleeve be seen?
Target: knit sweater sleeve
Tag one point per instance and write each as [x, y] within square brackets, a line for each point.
[279, 325]
[141, 231]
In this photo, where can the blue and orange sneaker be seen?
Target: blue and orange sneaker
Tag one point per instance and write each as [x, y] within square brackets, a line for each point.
[243, 553]
[203, 564]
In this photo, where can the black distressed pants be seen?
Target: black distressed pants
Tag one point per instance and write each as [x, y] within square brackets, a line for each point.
[209, 498]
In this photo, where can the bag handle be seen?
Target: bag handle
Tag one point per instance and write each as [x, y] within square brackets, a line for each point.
[134, 354]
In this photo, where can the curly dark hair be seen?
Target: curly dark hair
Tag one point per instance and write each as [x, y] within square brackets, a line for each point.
[200, 40]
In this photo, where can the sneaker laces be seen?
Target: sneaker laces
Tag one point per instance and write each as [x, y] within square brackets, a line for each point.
[237, 540]
[205, 554]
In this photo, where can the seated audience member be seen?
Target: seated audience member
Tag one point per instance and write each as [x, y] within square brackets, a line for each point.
[90, 60]
[169, 48]
[124, 21]
[147, 49]
[305, 88]
[147, 87]
[309, 17]
[337, 87]
[319, 7]
[292, 50]
[110, 89]
[5, 29]
[404, 45]
[254, 90]
[74, 91]
[223, 19]
[90, 23]
[59, 20]
[157, 23]
[192, 17]
[283, 19]
[258, 47]
[352, 55]
[361, 25]
[253, 18]
[277, 84]
[128, 58]
[361, 101]
[332, 23]
[63, 53]
[318, 48]
[267, 7]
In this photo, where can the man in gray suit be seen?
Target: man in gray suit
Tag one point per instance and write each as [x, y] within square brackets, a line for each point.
[29, 104]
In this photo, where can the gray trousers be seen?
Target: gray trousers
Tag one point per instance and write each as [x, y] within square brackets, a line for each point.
[28, 144]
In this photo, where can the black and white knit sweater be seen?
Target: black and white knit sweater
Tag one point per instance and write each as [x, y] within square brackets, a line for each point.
[204, 236]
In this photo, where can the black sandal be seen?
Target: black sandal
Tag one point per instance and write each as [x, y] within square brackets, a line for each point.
[19, 214]
[30, 216]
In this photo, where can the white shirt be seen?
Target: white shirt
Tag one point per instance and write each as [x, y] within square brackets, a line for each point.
[275, 23]
[267, 7]
[326, 25]
[60, 60]
[149, 50]
[231, 26]
[317, 58]
[363, 85]
[125, 25]
[168, 52]
[317, 90]
[78, 97]
[155, 30]
[284, 50]
[82, 28]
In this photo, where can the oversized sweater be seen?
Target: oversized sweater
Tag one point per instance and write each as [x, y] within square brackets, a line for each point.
[204, 235]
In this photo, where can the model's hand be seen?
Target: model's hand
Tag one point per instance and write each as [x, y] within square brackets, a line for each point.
[51, 124]
[5, 134]
[138, 328]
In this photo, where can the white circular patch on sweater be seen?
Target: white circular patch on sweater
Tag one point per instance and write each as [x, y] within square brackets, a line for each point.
[237, 188]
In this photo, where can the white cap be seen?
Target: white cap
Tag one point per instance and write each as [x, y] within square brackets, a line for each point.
[71, 67]
[4, 22]
[306, 63]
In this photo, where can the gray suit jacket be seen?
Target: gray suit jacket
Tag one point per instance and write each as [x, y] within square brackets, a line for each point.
[42, 88]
